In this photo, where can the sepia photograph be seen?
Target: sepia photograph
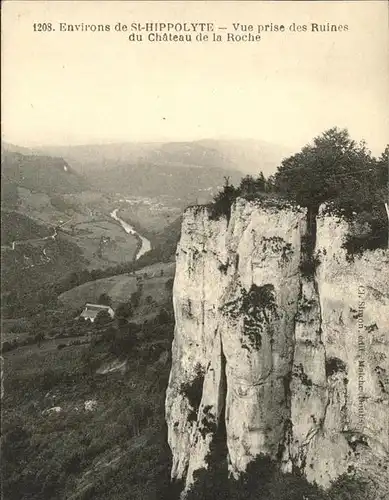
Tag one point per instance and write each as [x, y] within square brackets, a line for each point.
[194, 250]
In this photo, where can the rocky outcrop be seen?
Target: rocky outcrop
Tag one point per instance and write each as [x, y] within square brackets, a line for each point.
[295, 364]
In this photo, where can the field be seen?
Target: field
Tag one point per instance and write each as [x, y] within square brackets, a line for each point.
[38, 206]
[86, 221]
[54, 208]
[103, 242]
[154, 279]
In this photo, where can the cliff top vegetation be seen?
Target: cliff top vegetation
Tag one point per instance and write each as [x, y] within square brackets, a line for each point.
[333, 169]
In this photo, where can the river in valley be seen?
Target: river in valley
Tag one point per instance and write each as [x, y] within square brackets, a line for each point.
[145, 246]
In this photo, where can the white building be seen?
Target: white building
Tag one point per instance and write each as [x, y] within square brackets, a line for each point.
[91, 311]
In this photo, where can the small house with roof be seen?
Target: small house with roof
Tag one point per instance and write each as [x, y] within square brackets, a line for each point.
[91, 311]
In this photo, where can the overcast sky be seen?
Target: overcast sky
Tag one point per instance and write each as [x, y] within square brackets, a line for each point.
[74, 88]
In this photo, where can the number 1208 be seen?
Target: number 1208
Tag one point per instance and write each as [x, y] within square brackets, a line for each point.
[43, 27]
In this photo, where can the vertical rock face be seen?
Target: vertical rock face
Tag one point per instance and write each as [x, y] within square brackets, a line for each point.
[295, 366]
[354, 304]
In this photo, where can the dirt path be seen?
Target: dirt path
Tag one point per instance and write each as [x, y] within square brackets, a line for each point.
[35, 240]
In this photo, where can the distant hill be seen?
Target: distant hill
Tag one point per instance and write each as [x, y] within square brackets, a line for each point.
[151, 180]
[34, 263]
[42, 174]
[246, 155]
[189, 171]
[14, 148]
[249, 155]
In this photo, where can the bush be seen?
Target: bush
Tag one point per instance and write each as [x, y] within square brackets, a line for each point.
[102, 318]
[124, 311]
[163, 317]
[169, 284]
[335, 365]
[249, 189]
[376, 237]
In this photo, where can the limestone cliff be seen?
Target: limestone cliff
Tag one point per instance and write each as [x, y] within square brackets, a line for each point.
[295, 364]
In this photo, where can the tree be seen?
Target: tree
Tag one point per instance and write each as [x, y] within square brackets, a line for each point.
[382, 180]
[104, 300]
[135, 298]
[323, 171]
[250, 188]
[123, 313]
[337, 170]
[102, 318]
[169, 284]
[383, 171]
[222, 202]
[162, 317]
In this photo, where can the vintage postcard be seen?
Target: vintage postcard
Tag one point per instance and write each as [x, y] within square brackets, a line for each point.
[194, 250]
